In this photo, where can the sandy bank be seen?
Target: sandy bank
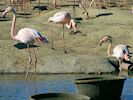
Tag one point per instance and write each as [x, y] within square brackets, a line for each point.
[14, 60]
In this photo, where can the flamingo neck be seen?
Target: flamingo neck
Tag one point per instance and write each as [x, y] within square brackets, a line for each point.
[13, 27]
[109, 49]
[71, 24]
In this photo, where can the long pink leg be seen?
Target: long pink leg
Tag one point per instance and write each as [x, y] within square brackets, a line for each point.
[91, 3]
[39, 5]
[54, 3]
[52, 45]
[35, 62]
[120, 62]
[29, 64]
[64, 40]
[74, 10]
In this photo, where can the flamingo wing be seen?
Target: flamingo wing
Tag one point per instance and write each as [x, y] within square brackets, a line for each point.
[27, 35]
[38, 37]
[60, 17]
[120, 50]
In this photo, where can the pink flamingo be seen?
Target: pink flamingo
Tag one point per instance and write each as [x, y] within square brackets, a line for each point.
[25, 35]
[64, 18]
[121, 52]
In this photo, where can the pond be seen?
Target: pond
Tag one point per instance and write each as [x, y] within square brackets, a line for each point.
[14, 86]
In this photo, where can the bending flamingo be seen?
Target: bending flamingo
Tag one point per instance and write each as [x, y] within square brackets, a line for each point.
[121, 52]
[25, 35]
[64, 18]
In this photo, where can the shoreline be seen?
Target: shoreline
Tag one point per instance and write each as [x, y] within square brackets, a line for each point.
[15, 60]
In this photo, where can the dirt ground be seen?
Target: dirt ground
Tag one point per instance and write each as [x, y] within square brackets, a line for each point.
[84, 53]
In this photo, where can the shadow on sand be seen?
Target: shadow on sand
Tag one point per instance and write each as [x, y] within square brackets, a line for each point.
[103, 14]
[41, 8]
[24, 15]
[24, 46]
[4, 19]
[69, 5]
[115, 64]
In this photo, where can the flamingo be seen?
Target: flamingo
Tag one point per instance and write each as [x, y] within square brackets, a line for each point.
[121, 52]
[64, 18]
[27, 36]
[82, 5]
[100, 1]
[56, 3]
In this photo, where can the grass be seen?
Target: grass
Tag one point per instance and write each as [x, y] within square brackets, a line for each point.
[111, 21]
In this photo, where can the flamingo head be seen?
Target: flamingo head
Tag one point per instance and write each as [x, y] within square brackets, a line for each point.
[50, 19]
[44, 39]
[71, 24]
[105, 39]
[9, 9]
[126, 57]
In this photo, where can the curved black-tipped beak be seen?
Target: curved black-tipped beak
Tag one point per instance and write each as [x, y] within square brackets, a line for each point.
[129, 46]
[101, 43]
[4, 15]
[45, 40]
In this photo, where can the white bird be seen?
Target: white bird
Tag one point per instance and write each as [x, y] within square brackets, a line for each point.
[121, 52]
[64, 18]
[25, 35]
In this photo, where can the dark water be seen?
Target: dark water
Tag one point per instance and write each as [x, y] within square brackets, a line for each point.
[14, 87]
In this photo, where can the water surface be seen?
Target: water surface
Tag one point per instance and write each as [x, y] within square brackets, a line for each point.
[14, 87]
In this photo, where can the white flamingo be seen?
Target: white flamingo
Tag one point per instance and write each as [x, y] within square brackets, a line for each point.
[121, 52]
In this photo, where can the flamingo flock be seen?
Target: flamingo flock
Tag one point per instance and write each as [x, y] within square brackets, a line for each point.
[28, 36]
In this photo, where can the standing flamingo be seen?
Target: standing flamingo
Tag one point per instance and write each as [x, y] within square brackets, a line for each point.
[64, 18]
[25, 35]
[121, 52]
